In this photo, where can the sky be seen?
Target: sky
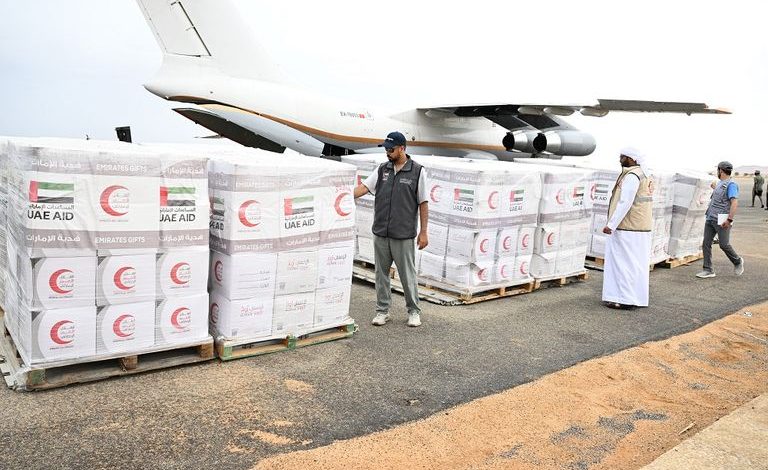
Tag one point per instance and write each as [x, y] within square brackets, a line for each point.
[76, 68]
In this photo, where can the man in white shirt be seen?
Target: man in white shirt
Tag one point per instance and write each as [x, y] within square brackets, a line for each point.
[630, 225]
[400, 197]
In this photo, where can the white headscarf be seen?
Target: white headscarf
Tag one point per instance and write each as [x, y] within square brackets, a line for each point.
[637, 156]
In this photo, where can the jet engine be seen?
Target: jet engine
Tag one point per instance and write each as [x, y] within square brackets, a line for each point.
[566, 142]
[519, 141]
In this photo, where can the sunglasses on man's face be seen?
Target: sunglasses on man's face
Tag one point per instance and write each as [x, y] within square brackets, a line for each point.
[392, 150]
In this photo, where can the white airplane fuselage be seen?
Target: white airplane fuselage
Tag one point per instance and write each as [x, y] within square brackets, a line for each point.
[304, 121]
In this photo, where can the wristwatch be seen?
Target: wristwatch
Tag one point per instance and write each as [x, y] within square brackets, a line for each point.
[730, 220]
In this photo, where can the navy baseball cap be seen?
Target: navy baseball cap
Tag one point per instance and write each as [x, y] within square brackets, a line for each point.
[393, 140]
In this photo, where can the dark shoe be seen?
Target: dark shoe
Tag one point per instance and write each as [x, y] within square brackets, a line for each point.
[618, 306]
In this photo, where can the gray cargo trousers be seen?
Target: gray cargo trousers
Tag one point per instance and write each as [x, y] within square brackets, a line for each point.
[403, 253]
[724, 236]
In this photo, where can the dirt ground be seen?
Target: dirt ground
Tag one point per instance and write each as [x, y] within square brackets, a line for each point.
[616, 412]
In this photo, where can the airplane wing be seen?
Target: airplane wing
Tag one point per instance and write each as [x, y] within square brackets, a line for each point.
[500, 112]
[229, 129]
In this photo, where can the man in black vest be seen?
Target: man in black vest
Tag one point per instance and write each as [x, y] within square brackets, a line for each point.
[400, 196]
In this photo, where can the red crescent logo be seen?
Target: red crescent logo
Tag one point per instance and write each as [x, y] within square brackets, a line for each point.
[242, 214]
[493, 200]
[218, 270]
[484, 246]
[176, 322]
[550, 239]
[504, 271]
[507, 243]
[482, 274]
[593, 192]
[560, 196]
[175, 274]
[118, 278]
[104, 200]
[55, 332]
[524, 268]
[117, 326]
[214, 313]
[526, 239]
[337, 204]
[434, 194]
[53, 282]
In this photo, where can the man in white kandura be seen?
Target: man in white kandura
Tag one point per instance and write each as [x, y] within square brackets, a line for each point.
[630, 223]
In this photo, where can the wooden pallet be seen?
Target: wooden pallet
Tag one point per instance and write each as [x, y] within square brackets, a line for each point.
[229, 350]
[559, 281]
[364, 265]
[677, 262]
[443, 294]
[594, 262]
[20, 377]
[327, 334]
[597, 263]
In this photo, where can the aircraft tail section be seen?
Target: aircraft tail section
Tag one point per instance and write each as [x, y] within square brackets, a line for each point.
[211, 32]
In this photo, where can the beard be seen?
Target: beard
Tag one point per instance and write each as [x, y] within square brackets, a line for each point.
[626, 164]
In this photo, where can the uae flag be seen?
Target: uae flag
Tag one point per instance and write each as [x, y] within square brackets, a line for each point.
[516, 195]
[463, 195]
[44, 192]
[217, 206]
[299, 205]
[578, 192]
[601, 188]
[177, 196]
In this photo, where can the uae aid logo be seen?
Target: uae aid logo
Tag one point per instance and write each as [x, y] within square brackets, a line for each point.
[46, 192]
[303, 205]
[177, 196]
[63, 332]
[124, 326]
[62, 281]
[115, 200]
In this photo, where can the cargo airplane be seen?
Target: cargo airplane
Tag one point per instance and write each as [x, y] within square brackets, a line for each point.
[228, 83]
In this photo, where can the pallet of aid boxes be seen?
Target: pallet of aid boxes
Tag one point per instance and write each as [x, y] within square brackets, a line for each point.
[83, 261]
[562, 232]
[482, 221]
[282, 235]
[691, 200]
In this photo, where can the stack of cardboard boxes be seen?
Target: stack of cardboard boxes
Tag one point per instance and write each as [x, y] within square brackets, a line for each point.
[282, 235]
[93, 270]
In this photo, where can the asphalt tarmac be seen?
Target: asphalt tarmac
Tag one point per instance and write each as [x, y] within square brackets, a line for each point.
[237, 413]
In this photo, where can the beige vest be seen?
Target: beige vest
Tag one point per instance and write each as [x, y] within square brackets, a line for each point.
[640, 215]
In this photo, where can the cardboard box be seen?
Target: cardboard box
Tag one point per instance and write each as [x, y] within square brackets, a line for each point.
[296, 272]
[125, 328]
[52, 283]
[331, 306]
[334, 265]
[182, 273]
[181, 320]
[55, 335]
[242, 318]
[244, 275]
[294, 313]
[126, 279]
